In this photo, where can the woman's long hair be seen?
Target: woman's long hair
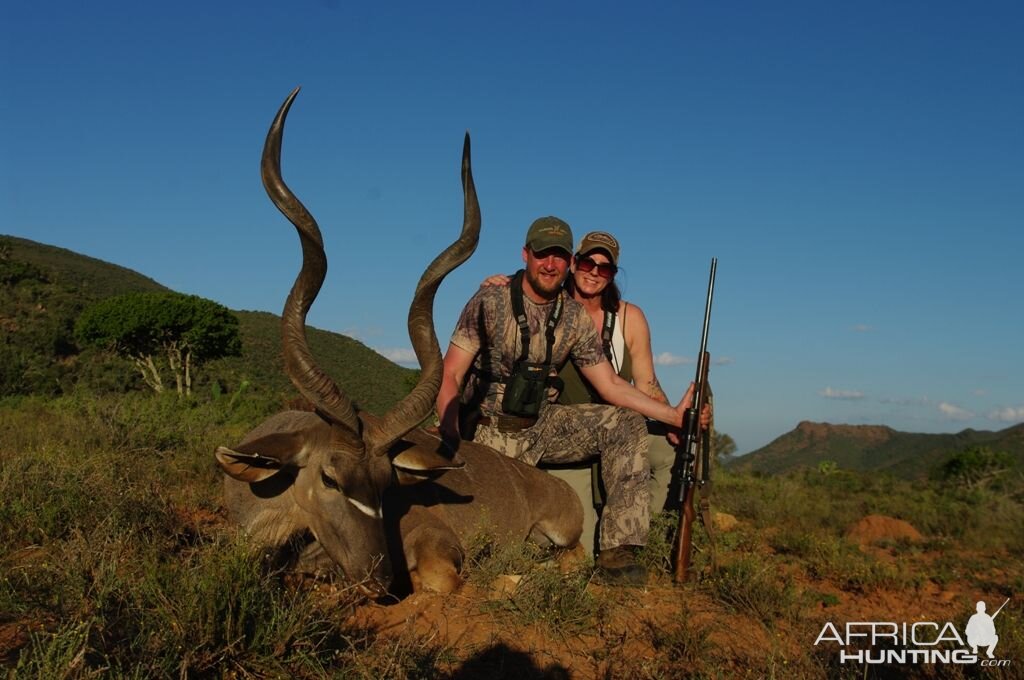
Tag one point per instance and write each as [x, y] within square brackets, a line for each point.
[610, 296]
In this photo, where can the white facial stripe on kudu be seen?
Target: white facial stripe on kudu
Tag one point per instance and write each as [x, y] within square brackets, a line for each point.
[365, 509]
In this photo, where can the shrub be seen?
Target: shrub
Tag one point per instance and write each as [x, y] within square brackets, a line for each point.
[975, 466]
[684, 646]
[549, 598]
[543, 594]
[754, 586]
[658, 555]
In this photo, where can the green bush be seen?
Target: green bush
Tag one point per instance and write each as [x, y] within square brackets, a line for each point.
[975, 466]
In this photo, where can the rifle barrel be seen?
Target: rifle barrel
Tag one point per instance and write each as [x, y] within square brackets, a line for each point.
[707, 320]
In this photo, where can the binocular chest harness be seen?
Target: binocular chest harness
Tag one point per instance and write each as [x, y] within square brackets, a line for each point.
[526, 387]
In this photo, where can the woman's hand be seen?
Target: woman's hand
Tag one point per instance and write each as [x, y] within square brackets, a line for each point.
[496, 280]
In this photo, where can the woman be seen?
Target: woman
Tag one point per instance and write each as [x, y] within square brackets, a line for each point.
[627, 340]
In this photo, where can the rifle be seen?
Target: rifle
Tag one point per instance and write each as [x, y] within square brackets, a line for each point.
[693, 442]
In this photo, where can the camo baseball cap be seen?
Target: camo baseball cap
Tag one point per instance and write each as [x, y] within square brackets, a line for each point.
[600, 240]
[549, 232]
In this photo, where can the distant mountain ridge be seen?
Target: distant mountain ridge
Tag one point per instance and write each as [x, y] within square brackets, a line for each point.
[873, 447]
[44, 288]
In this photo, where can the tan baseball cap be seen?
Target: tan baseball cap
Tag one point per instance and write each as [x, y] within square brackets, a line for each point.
[549, 232]
[600, 240]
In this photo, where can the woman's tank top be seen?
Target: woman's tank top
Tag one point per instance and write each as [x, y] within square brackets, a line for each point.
[577, 390]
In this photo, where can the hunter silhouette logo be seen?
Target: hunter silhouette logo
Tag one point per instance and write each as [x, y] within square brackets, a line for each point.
[981, 630]
[920, 642]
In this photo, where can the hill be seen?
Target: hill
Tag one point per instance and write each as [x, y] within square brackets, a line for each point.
[88, 278]
[873, 447]
[374, 382]
[43, 289]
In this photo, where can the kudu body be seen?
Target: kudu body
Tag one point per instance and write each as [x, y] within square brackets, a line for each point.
[377, 496]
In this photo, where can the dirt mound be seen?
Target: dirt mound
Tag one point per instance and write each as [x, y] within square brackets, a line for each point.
[874, 528]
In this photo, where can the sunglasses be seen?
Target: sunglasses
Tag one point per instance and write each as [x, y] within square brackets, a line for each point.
[605, 270]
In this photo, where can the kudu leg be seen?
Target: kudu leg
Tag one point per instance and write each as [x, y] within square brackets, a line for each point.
[435, 557]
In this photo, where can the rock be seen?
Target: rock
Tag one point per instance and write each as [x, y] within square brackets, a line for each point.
[724, 522]
[505, 585]
[875, 528]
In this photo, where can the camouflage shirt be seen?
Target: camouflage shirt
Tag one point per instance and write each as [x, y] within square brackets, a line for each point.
[487, 328]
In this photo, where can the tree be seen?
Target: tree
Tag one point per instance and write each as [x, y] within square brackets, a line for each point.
[975, 466]
[185, 330]
[723, 445]
[828, 467]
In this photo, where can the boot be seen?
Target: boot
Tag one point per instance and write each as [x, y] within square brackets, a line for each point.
[618, 566]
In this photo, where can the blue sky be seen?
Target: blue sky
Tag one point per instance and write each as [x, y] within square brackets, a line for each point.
[857, 168]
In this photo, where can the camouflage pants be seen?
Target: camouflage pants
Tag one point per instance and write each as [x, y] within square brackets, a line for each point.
[568, 434]
[578, 475]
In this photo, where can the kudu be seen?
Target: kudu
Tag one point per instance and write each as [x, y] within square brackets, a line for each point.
[338, 486]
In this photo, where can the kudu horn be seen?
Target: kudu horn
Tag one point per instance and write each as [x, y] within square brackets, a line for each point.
[315, 385]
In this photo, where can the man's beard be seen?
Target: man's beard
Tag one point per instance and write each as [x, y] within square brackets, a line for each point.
[549, 292]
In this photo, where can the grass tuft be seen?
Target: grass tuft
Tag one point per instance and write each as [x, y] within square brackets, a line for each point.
[754, 586]
[545, 597]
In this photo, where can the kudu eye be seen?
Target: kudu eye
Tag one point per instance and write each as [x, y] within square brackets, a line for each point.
[329, 481]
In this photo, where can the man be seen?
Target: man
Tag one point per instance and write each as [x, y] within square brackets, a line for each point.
[507, 347]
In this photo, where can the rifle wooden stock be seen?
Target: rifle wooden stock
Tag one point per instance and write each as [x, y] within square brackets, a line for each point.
[691, 446]
[684, 542]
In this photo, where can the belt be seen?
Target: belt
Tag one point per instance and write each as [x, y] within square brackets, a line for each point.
[507, 423]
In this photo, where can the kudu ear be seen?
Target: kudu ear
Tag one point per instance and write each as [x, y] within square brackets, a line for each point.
[260, 458]
[416, 462]
[246, 467]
